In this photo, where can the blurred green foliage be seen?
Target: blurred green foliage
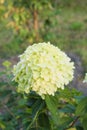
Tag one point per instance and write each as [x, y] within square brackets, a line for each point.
[28, 19]
[63, 23]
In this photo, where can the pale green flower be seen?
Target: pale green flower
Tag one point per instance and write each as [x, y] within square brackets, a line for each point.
[43, 68]
[85, 80]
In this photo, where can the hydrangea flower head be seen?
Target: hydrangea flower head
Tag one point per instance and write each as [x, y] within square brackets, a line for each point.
[43, 68]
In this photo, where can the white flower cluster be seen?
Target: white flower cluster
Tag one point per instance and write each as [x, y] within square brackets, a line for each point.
[43, 68]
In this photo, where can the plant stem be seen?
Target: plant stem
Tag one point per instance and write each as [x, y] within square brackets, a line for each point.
[35, 23]
[73, 123]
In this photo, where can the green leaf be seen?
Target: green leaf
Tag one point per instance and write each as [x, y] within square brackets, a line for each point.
[2, 125]
[64, 122]
[2, 73]
[6, 63]
[81, 109]
[3, 83]
[78, 98]
[52, 105]
[72, 128]
[36, 108]
[69, 108]
[79, 128]
[22, 102]
[44, 121]
[38, 128]
[84, 121]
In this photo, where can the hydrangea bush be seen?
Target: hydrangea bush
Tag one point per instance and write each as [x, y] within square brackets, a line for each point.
[43, 68]
[42, 73]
